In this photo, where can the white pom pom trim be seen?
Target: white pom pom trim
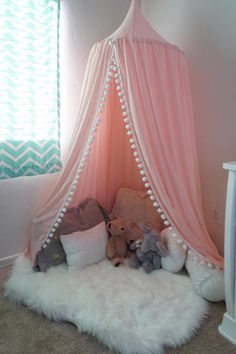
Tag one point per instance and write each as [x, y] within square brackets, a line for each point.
[91, 138]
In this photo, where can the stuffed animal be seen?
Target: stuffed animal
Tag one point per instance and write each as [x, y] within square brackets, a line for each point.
[148, 252]
[206, 279]
[176, 257]
[116, 245]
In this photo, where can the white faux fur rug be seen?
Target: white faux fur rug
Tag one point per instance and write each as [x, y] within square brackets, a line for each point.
[128, 310]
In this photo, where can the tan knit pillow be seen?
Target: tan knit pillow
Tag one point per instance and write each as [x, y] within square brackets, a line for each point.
[135, 207]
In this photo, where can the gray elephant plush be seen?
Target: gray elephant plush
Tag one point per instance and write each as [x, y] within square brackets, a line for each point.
[148, 251]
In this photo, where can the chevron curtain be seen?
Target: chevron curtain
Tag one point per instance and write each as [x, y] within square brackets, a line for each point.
[29, 88]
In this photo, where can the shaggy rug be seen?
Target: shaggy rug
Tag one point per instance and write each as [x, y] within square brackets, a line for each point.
[128, 310]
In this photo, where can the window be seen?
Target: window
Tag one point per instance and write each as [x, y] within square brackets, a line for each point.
[29, 88]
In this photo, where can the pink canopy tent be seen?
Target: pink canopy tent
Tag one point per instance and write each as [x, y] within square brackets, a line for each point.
[134, 129]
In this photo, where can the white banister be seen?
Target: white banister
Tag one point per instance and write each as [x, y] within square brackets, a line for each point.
[228, 326]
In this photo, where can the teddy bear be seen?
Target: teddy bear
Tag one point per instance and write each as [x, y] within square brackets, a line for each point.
[116, 245]
[148, 251]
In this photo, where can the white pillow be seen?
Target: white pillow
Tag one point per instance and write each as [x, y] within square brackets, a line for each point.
[83, 248]
[208, 282]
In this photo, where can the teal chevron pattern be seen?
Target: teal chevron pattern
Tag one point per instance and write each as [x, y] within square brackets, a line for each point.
[19, 158]
[29, 87]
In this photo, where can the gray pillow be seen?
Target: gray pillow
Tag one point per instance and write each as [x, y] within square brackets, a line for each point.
[52, 255]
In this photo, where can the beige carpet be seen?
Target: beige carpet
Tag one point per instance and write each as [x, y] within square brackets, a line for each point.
[24, 332]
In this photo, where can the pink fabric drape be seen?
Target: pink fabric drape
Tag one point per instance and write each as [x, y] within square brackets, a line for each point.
[157, 88]
[162, 116]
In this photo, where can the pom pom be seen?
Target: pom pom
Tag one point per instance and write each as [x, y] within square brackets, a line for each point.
[179, 242]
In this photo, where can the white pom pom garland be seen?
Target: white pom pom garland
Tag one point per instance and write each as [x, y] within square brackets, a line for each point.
[111, 72]
[133, 143]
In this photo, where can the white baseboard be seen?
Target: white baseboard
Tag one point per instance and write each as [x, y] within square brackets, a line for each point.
[7, 261]
[228, 328]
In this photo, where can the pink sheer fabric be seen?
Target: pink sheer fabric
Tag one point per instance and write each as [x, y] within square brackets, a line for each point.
[156, 85]
[163, 120]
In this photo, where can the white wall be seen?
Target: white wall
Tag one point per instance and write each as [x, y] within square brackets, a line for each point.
[206, 31]
[82, 24]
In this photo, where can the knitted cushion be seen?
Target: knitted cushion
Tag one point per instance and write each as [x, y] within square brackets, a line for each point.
[135, 207]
